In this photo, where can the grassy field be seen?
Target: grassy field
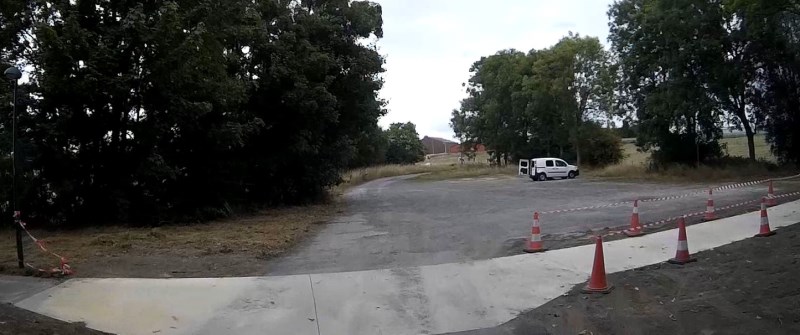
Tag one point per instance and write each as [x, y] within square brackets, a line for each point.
[737, 147]
[635, 165]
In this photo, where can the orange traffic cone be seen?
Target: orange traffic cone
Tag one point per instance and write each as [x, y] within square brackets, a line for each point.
[682, 255]
[597, 282]
[535, 242]
[764, 231]
[710, 212]
[771, 196]
[636, 228]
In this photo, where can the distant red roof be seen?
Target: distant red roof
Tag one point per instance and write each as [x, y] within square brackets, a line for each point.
[439, 139]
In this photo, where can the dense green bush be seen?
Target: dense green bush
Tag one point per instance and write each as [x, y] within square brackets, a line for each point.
[684, 149]
[601, 147]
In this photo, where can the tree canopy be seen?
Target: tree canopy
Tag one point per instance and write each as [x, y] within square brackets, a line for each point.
[404, 145]
[154, 111]
[540, 103]
[679, 72]
[689, 68]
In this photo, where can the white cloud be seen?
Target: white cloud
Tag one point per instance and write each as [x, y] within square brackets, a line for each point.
[430, 44]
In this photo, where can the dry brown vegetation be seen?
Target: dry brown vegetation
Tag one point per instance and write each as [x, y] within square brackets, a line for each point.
[634, 167]
[180, 250]
[436, 168]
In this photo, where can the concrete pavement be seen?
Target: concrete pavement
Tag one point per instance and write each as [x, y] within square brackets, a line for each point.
[14, 289]
[412, 300]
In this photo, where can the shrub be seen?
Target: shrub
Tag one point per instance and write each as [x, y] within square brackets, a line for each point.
[683, 149]
[601, 147]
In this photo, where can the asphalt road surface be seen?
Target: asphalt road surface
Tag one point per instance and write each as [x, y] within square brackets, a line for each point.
[399, 222]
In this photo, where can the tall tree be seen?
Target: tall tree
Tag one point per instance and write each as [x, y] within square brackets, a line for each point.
[775, 28]
[664, 52]
[537, 103]
[155, 111]
[405, 146]
[734, 72]
[585, 68]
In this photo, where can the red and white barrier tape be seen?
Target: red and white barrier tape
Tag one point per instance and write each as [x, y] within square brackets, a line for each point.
[672, 197]
[63, 269]
[674, 218]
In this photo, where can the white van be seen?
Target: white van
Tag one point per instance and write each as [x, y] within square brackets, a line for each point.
[542, 169]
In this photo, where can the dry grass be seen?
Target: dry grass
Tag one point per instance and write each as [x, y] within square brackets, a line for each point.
[436, 168]
[682, 173]
[480, 159]
[737, 147]
[634, 167]
[260, 236]
[469, 171]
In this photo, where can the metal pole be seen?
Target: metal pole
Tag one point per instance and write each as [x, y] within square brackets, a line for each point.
[20, 256]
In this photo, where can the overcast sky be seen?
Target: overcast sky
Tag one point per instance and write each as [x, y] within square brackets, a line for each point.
[429, 46]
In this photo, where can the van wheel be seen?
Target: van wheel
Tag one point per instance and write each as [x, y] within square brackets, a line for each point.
[571, 175]
[542, 177]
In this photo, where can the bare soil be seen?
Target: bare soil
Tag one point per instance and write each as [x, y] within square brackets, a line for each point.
[17, 321]
[234, 247]
[748, 287]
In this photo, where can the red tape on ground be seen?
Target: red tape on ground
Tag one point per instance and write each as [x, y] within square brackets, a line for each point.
[64, 268]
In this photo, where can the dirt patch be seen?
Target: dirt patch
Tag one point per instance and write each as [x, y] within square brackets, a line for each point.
[748, 287]
[235, 247]
[17, 321]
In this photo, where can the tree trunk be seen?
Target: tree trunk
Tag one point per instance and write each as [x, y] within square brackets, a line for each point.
[751, 144]
[578, 124]
[748, 130]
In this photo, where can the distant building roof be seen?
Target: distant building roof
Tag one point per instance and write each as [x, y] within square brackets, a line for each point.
[439, 139]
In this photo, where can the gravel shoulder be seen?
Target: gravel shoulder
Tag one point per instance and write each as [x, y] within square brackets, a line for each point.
[748, 287]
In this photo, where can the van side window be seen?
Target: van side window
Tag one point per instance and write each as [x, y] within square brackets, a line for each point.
[561, 164]
[549, 163]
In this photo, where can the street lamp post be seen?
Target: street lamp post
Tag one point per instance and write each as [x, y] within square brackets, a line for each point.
[13, 74]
